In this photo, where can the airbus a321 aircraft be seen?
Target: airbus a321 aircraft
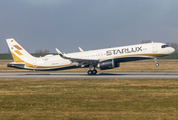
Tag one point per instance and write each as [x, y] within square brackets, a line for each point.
[102, 58]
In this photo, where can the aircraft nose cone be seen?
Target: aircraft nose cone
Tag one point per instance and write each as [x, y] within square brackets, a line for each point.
[172, 50]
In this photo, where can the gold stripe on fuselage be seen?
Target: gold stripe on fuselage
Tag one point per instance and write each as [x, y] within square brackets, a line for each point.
[61, 66]
[137, 55]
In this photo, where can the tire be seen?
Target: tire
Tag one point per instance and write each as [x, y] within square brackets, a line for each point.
[157, 64]
[94, 72]
[90, 72]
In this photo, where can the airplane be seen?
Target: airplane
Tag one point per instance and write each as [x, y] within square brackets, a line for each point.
[102, 59]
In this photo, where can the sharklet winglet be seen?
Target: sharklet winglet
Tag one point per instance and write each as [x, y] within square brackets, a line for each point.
[58, 51]
[80, 49]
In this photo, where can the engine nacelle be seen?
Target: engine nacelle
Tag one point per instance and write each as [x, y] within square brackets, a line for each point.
[108, 64]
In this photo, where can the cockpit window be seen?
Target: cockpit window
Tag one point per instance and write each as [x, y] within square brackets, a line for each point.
[164, 46]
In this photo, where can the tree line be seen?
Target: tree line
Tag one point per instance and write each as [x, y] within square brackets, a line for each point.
[42, 51]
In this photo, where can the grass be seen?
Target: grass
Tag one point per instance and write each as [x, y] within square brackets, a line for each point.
[88, 99]
[5, 56]
[137, 66]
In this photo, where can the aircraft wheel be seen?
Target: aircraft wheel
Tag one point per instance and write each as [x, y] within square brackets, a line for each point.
[94, 72]
[90, 72]
[157, 64]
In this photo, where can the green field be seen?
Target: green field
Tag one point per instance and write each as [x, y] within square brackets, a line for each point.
[82, 99]
[172, 56]
[88, 99]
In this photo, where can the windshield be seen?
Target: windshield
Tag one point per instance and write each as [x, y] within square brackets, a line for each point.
[164, 46]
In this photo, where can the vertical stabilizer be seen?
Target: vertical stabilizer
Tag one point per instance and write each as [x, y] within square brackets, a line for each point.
[19, 54]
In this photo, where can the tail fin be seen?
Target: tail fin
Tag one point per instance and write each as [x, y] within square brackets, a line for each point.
[19, 54]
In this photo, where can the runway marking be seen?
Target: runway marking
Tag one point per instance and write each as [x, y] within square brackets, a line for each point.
[82, 75]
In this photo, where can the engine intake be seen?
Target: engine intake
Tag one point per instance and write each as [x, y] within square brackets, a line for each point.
[108, 64]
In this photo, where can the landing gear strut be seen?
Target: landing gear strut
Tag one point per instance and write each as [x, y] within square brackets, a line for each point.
[156, 61]
[92, 72]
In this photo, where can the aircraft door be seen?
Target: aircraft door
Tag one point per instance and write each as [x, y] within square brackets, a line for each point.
[154, 47]
[34, 63]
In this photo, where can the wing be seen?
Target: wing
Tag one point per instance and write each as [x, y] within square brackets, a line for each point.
[82, 62]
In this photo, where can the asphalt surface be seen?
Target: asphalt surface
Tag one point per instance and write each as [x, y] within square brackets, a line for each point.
[83, 75]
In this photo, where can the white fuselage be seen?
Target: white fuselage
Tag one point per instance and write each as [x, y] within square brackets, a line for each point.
[120, 54]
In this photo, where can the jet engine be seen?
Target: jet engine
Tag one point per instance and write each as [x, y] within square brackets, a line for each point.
[108, 64]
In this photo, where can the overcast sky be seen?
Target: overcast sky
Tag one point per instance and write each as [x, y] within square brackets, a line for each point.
[89, 24]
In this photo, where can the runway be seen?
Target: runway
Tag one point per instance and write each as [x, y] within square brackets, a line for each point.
[83, 75]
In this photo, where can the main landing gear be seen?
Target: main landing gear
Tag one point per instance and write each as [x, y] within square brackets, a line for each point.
[156, 61]
[92, 72]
